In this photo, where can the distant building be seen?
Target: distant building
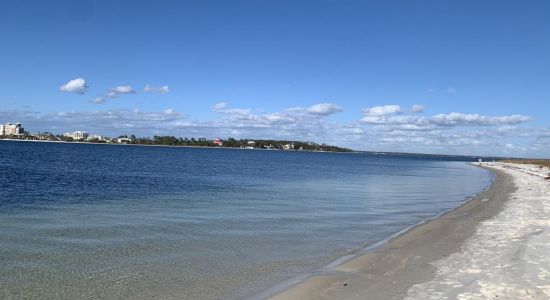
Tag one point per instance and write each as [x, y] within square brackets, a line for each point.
[288, 146]
[95, 137]
[77, 135]
[11, 129]
[123, 140]
[218, 142]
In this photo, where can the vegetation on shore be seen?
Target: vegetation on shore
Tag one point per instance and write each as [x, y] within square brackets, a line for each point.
[235, 143]
[190, 142]
[538, 162]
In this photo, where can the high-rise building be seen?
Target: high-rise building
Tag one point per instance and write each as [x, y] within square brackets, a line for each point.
[11, 129]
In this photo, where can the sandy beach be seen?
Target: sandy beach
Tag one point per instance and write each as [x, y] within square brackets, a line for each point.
[494, 246]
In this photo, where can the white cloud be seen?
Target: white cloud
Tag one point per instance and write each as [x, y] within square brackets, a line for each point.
[171, 111]
[219, 106]
[545, 132]
[417, 108]
[237, 113]
[384, 117]
[98, 100]
[118, 90]
[289, 117]
[382, 129]
[123, 89]
[382, 110]
[324, 109]
[151, 89]
[455, 118]
[77, 85]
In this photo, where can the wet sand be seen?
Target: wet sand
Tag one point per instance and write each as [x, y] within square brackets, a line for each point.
[442, 257]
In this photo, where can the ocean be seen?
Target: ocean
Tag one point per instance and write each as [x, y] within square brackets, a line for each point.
[114, 221]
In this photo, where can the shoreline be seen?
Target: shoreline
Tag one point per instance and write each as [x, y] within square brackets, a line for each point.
[389, 268]
[172, 146]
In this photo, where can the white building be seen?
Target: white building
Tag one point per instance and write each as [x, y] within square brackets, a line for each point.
[124, 140]
[288, 146]
[77, 135]
[95, 137]
[11, 129]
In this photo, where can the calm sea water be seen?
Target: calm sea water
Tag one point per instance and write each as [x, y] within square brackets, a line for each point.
[100, 221]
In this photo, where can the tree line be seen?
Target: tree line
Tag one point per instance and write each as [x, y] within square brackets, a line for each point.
[168, 140]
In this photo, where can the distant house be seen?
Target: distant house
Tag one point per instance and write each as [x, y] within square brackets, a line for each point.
[218, 142]
[288, 146]
[77, 135]
[95, 137]
[249, 145]
[123, 140]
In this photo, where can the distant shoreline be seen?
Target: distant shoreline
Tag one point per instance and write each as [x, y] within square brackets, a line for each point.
[172, 146]
[458, 157]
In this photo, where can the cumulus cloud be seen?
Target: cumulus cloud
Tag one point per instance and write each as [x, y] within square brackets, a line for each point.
[118, 90]
[151, 89]
[454, 118]
[386, 115]
[219, 106]
[171, 111]
[237, 113]
[324, 109]
[77, 85]
[386, 128]
[544, 132]
[98, 100]
[382, 110]
[116, 118]
[417, 108]
[288, 117]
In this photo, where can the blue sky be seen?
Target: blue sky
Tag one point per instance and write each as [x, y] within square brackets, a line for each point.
[477, 71]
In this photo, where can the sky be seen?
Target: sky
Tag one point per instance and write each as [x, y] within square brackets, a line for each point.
[450, 77]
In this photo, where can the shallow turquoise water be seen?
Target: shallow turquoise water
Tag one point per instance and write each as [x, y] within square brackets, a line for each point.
[100, 221]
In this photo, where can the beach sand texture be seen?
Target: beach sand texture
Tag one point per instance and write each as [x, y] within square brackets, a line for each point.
[495, 246]
[509, 256]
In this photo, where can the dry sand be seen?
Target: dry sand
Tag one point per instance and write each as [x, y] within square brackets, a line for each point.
[497, 246]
